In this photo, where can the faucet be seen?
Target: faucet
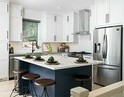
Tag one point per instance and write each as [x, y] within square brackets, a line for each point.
[33, 46]
[34, 43]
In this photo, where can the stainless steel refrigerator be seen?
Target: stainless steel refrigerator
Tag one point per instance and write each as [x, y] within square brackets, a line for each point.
[107, 47]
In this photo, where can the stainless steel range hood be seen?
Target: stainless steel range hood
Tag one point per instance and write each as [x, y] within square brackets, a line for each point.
[84, 22]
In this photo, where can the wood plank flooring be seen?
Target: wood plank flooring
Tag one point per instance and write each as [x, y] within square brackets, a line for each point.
[7, 86]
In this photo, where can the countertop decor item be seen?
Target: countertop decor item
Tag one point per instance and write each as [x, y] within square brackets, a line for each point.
[38, 58]
[63, 47]
[28, 56]
[51, 61]
[81, 59]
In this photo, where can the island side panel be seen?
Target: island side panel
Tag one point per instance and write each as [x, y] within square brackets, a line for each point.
[43, 72]
[65, 80]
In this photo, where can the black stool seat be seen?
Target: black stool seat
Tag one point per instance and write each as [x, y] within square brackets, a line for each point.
[19, 71]
[31, 88]
[81, 77]
[45, 82]
[30, 76]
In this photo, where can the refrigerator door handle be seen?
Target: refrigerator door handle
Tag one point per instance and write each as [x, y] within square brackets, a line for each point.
[106, 46]
[103, 47]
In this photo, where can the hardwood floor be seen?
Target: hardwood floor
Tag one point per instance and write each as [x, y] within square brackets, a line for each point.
[7, 86]
[6, 89]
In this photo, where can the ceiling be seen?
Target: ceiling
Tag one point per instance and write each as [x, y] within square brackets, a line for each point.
[59, 6]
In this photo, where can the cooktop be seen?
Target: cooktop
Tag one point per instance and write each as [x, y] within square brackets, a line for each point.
[77, 54]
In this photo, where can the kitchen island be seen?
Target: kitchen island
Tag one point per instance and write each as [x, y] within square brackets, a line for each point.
[62, 73]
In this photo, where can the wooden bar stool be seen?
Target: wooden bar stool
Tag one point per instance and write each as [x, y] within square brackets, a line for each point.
[31, 77]
[44, 83]
[16, 74]
[81, 78]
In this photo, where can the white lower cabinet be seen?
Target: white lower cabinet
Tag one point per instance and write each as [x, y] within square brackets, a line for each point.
[4, 68]
[4, 31]
[4, 60]
[3, 50]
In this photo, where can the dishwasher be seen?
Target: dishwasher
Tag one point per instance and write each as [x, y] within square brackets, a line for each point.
[12, 64]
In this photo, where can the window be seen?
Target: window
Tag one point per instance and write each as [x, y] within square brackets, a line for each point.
[30, 32]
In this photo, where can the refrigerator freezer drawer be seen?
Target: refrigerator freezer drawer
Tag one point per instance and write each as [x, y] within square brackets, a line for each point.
[107, 75]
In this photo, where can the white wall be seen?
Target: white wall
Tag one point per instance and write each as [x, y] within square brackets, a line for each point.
[84, 44]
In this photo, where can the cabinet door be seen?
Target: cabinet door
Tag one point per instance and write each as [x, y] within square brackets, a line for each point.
[65, 28]
[50, 31]
[16, 11]
[15, 29]
[16, 23]
[4, 69]
[4, 7]
[3, 50]
[100, 12]
[116, 11]
[58, 32]
[4, 26]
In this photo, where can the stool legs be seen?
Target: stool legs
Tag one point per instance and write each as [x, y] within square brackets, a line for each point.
[45, 92]
[30, 88]
[15, 88]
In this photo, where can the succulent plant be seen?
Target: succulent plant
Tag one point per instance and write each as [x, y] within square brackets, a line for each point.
[27, 56]
[51, 59]
[38, 57]
[81, 58]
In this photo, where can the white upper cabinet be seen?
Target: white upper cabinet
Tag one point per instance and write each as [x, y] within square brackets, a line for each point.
[15, 23]
[116, 11]
[102, 12]
[53, 28]
[16, 11]
[4, 7]
[4, 26]
[70, 25]
[108, 12]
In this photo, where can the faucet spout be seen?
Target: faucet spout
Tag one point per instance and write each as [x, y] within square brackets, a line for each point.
[33, 46]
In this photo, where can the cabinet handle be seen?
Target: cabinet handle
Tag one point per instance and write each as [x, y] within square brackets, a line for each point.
[106, 18]
[7, 46]
[67, 38]
[55, 18]
[7, 7]
[21, 36]
[54, 37]
[67, 18]
[7, 35]
[21, 12]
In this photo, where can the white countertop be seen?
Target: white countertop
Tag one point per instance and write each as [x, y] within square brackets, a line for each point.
[65, 62]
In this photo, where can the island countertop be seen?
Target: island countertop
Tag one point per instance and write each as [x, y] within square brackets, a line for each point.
[65, 62]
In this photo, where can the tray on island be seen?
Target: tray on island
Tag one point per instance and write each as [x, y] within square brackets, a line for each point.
[41, 60]
[28, 57]
[84, 61]
[52, 63]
